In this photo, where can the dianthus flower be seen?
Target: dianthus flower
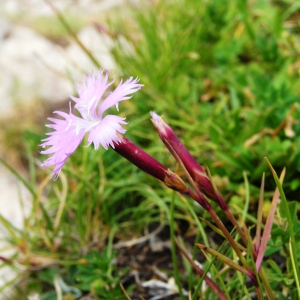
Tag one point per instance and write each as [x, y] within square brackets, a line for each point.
[69, 131]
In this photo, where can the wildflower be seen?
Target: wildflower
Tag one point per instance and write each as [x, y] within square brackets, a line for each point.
[69, 131]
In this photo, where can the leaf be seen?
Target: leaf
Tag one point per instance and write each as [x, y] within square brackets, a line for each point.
[224, 259]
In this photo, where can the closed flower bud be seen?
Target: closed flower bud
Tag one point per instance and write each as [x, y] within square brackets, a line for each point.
[182, 155]
[149, 165]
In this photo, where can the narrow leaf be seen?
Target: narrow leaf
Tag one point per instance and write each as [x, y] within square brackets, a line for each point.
[199, 271]
[259, 214]
[218, 231]
[268, 227]
[224, 259]
[22, 179]
[293, 248]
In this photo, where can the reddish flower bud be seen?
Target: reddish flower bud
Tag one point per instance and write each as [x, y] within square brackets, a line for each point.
[149, 165]
[182, 155]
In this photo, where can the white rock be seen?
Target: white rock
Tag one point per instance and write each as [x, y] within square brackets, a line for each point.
[4, 29]
[40, 7]
[15, 204]
[24, 77]
[98, 44]
[34, 68]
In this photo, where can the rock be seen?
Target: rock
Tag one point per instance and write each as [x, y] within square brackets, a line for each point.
[24, 76]
[38, 7]
[15, 204]
[98, 44]
[34, 68]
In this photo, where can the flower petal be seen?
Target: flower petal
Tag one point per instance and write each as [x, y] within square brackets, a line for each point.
[90, 93]
[106, 133]
[121, 93]
[63, 141]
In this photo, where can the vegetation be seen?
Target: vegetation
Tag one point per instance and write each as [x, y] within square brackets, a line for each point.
[225, 76]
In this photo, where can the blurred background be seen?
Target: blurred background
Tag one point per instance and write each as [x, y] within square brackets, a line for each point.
[224, 74]
[40, 64]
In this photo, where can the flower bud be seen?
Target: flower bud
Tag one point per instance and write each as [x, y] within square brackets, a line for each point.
[183, 156]
[149, 165]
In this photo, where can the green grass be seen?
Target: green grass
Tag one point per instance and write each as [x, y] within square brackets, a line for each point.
[225, 75]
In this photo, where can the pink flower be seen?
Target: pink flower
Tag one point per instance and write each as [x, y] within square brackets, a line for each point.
[69, 131]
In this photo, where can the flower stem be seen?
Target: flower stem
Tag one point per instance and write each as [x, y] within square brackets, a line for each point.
[199, 271]
[233, 244]
[266, 284]
[173, 246]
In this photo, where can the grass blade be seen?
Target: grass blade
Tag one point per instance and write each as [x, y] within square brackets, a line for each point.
[293, 246]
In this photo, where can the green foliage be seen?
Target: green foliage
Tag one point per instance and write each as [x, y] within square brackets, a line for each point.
[225, 74]
[95, 273]
[230, 68]
[98, 275]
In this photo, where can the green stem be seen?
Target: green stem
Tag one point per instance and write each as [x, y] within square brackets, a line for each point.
[233, 244]
[246, 206]
[266, 284]
[234, 222]
[197, 220]
[199, 271]
[173, 248]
